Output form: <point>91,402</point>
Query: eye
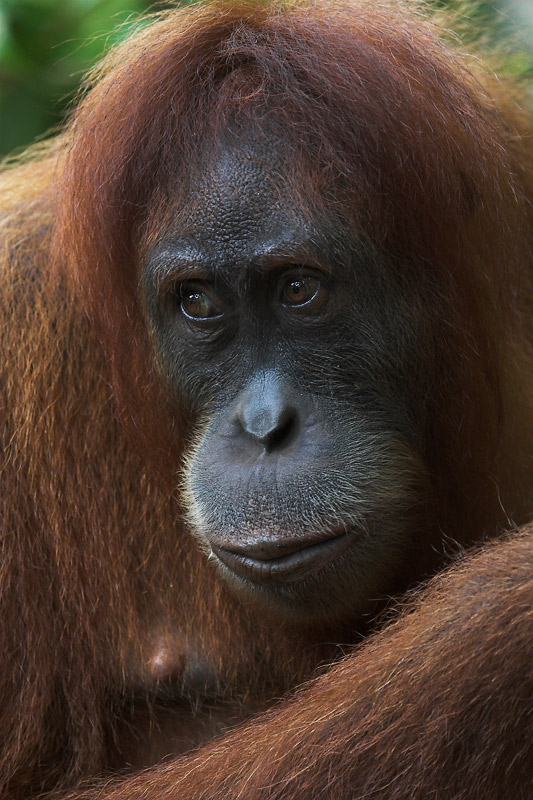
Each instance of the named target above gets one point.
<point>196,303</point>
<point>298,291</point>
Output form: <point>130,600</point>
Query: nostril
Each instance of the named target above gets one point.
<point>272,430</point>
<point>281,433</point>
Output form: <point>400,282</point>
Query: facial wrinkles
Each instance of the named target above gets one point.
<point>240,212</point>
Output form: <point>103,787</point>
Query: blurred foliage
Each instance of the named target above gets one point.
<point>47,45</point>
<point>45,48</point>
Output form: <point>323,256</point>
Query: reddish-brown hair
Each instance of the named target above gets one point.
<point>426,157</point>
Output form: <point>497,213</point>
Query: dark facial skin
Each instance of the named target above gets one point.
<point>304,482</point>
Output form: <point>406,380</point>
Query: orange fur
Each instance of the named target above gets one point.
<point>104,597</point>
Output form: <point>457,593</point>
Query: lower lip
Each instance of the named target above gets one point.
<point>286,569</point>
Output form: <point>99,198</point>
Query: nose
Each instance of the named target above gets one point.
<point>267,411</point>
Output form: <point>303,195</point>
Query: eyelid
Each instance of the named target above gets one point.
<point>175,277</point>
<point>200,285</point>
<point>300,271</point>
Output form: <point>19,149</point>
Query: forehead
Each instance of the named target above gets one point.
<point>239,209</point>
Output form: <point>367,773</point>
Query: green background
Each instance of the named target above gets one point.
<point>47,45</point>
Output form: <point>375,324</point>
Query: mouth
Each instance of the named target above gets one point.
<point>281,562</point>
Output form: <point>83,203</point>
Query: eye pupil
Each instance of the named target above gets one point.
<point>196,304</point>
<point>297,291</point>
<point>193,304</point>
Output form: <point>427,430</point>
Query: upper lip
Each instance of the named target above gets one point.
<point>282,561</point>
